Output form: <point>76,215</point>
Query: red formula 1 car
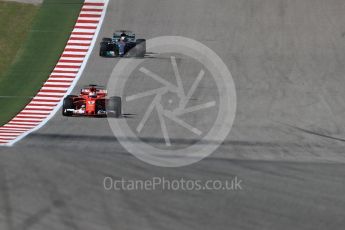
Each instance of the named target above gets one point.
<point>92,101</point>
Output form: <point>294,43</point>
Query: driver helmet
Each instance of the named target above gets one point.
<point>93,94</point>
<point>122,38</point>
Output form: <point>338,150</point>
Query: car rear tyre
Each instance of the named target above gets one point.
<point>131,50</point>
<point>103,49</point>
<point>71,96</point>
<point>114,107</point>
<point>67,104</point>
<point>100,107</point>
<point>140,47</point>
<point>107,40</point>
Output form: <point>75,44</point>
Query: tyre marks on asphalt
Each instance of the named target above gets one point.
<point>62,78</point>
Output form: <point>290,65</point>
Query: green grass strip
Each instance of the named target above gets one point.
<point>37,55</point>
<point>15,24</point>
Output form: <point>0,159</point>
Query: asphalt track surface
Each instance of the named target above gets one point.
<point>287,142</point>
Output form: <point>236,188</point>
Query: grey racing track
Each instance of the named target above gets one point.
<point>286,145</point>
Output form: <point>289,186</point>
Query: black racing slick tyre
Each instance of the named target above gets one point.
<point>100,107</point>
<point>71,96</point>
<point>67,104</point>
<point>103,49</point>
<point>140,47</point>
<point>109,40</point>
<point>131,50</point>
<point>114,107</point>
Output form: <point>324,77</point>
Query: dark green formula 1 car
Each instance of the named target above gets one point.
<point>122,44</point>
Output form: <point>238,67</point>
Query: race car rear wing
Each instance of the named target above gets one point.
<point>98,91</point>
